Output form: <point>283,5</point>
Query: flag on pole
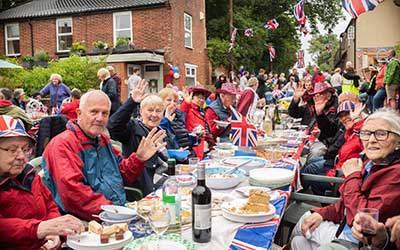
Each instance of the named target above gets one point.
<point>271,52</point>
<point>233,36</point>
<point>357,7</point>
<point>300,59</point>
<point>242,131</point>
<point>271,24</point>
<point>249,32</point>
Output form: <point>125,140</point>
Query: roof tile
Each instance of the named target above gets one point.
<point>42,8</point>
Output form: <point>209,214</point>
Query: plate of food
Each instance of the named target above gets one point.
<point>169,242</point>
<point>255,209</point>
<point>222,124</point>
<point>101,238</point>
<point>245,191</point>
<point>186,180</point>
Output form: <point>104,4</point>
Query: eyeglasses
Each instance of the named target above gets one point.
<point>380,135</point>
<point>13,151</point>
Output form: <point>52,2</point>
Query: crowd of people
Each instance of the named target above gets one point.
<point>83,169</point>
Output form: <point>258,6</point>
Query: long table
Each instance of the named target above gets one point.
<point>227,234</point>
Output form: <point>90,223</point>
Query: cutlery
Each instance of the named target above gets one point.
<point>237,166</point>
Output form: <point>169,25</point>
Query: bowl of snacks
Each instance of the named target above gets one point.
<point>223,177</point>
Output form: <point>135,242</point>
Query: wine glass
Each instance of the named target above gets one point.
<point>159,220</point>
<point>289,122</point>
<point>368,221</point>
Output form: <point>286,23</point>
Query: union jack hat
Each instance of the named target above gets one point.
<point>228,88</point>
<point>12,127</point>
<point>346,106</point>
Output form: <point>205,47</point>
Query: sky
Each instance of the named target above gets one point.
<point>340,28</point>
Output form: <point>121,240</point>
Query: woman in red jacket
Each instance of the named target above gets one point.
<point>372,184</point>
<point>193,103</point>
<point>29,218</point>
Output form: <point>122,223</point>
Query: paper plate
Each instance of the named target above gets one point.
<point>271,177</point>
<point>256,162</point>
<point>106,218</point>
<point>245,218</point>
<point>90,241</point>
<point>118,212</point>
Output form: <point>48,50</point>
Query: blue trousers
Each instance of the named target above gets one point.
<point>379,98</point>
<point>315,165</point>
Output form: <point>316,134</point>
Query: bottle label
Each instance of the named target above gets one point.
<point>168,198</point>
<point>202,216</point>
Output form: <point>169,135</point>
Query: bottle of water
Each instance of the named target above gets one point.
<point>171,198</point>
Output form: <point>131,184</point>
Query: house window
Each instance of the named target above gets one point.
<point>122,25</point>
<point>190,73</point>
<point>188,31</point>
<point>64,34</point>
<point>12,39</point>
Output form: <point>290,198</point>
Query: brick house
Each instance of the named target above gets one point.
<point>163,32</point>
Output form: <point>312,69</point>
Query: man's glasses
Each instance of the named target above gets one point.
<point>13,151</point>
<point>380,135</point>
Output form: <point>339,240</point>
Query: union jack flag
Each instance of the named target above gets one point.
<point>271,24</point>
<point>249,32</point>
<point>299,12</point>
<point>357,7</point>
<point>242,131</point>
<point>271,52</point>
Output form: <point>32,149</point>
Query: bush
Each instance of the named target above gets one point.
<point>100,45</point>
<point>79,47</point>
<point>41,56</point>
<point>77,72</point>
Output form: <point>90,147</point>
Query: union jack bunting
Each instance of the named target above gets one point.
<point>233,36</point>
<point>271,52</point>
<point>271,24</point>
<point>299,12</point>
<point>300,59</point>
<point>357,7</point>
<point>249,32</point>
<point>242,131</point>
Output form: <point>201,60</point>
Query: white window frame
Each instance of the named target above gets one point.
<point>190,31</point>
<point>63,34</point>
<point>12,39</point>
<point>190,67</point>
<point>115,15</point>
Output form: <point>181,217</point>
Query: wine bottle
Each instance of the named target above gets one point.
<point>277,119</point>
<point>201,208</point>
<point>171,197</point>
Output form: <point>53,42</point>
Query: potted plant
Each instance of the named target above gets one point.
<point>27,62</point>
<point>122,44</point>
<point>78,47</point>
<point>41,58</point>
<point>99,47</point>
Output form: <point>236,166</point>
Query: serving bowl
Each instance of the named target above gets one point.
<point>216,177</point>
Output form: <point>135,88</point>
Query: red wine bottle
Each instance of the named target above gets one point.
<point>201,208</point>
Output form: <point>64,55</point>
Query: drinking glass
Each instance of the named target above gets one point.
<point>159,220</point>
<point>368,220</point>
<point>193,161</point>
<point>289,122</point>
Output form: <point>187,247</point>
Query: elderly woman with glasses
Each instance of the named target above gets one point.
<point>29,218</point>
<point>374,183</point>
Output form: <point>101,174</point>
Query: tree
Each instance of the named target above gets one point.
<point>252,52</point>
<point>322,47</point>
<point>6,4</point>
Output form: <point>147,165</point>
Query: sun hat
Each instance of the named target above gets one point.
<point>199,88</point>
<point>345,106</point>
<point>12,127</point>
<point>228,88</point>
<point>321,87</point>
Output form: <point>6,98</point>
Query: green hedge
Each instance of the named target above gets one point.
<point>77,72</point>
